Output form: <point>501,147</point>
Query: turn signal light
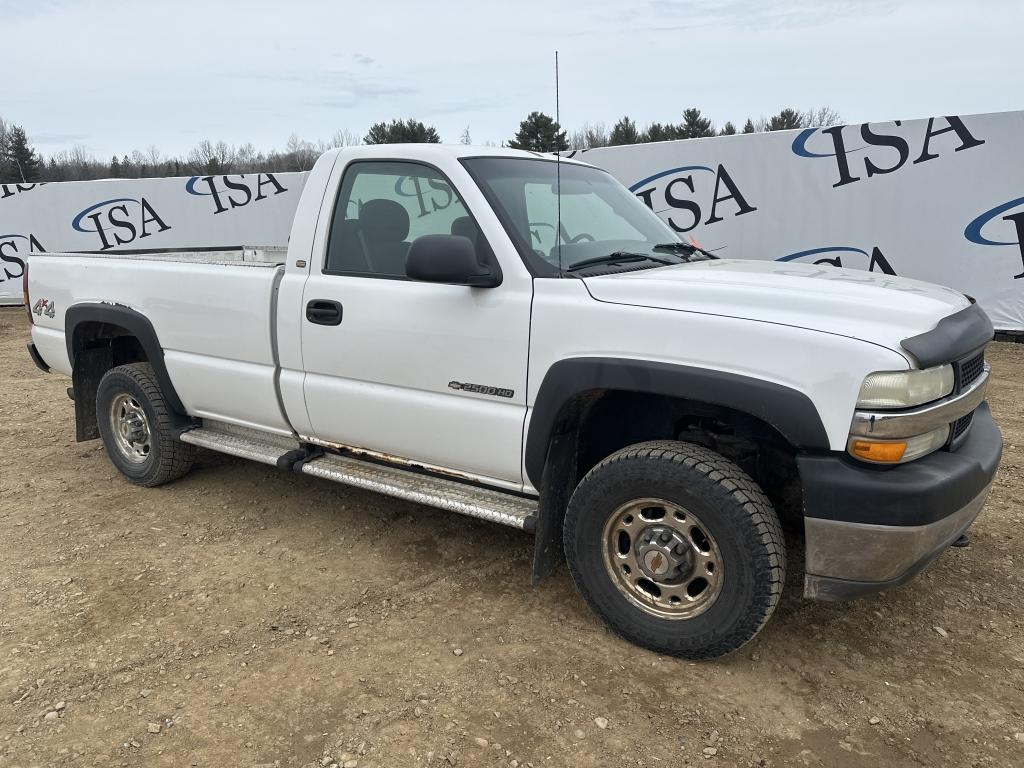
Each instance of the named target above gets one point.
<point>898,451</point>
<point>882,453</point>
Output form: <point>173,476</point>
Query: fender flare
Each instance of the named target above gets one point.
<point>787,410</point>
<point>138,325</point>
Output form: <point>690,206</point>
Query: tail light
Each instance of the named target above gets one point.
<point>24,292</point>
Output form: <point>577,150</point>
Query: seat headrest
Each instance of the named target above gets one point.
<point>384,221</point>
<point>466,227</point>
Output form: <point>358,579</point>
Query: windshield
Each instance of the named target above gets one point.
<point>599,216</point>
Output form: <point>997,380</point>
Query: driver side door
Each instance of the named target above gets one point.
<point>429,373</point>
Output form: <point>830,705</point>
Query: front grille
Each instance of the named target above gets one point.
<point>960,427</point>
<point>969,370</point>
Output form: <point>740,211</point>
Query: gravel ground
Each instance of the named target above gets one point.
<point>244,616</point>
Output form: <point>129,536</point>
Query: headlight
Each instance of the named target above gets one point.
<point>898,451</point>
<point>903,389</point>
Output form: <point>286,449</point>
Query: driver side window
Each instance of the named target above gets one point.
<point>382,207</point>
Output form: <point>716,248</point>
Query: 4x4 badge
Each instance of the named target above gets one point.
<point>44,307</point>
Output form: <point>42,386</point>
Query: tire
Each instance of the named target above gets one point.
<point>714,522</point>
<point>138,427</point>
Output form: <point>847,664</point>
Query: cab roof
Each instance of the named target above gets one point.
<point>429,152</point>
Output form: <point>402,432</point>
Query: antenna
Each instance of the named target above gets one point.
<point>558,173</point>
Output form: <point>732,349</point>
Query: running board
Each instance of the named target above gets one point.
<point>264,447</point>
<point>430,490</point>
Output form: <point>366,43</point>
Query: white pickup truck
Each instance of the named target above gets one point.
<point>504,336</point>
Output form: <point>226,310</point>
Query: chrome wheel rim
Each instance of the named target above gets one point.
<point>130,428</point>
<point>662,558</point>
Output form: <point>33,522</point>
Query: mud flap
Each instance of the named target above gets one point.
<point>90,366</point>
<point>557,484</point>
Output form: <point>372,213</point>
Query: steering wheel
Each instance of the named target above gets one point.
<point>582,237</point>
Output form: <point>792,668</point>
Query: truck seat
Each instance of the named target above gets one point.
<point>384,227</point>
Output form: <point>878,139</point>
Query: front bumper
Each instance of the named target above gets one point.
<point>869,529</point>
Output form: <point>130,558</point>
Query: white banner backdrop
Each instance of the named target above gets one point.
<point>939,199</point>
<point>137,214</point>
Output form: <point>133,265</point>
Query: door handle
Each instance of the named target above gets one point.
<point>323,312</point>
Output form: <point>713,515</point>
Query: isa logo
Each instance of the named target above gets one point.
<point>120,221</point>
<point>999,226</point>
<point>424,196</point>
<point>844,256</point>
<point>850,257</point>
<point>874,149</point>
<point>10,190</point>
<point>682,196</point>
<point>229,192</point>
<point>13,251</point>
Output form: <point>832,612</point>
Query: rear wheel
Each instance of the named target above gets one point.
<point>137,427</point>
<point>676,548</point>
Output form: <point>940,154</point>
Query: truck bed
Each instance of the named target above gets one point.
<point>212,311</point>
<point>245,255</point>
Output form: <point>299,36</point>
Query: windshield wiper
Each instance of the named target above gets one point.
<point>683,248</point>
<point>619,257</point>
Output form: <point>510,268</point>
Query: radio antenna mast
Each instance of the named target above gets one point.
<point>558,172</point>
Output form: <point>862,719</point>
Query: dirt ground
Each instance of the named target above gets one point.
<point>244,616</point>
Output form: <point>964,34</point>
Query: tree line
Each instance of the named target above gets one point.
<point>20,163</point>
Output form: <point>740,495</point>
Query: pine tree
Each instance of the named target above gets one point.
<point>18,160</point>
<point>5,162</point>
<point>748,127</point>
<point>659,132</point>
<point>624,132</point>
<point>694,125</point>
<point>402,132</point>
<point>465,137</point>
<point>115,168</point>
<point>727,130</point>
<point>539,133</point>
<point>786,120</point>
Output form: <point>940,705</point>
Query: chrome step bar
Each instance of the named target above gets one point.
<point>434,491</point>
<point>430,490</point>
<point>264,447</point>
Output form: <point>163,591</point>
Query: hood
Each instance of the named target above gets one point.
<point>873,307</point>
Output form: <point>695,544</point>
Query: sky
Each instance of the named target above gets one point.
<point>113,76</point>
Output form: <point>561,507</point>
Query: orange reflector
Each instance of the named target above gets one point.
<point>886,453</point>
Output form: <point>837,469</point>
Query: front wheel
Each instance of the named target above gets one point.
<point>676,548</point>
<point>137,426</point>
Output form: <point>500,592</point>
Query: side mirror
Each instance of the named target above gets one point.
<point>448,259</point>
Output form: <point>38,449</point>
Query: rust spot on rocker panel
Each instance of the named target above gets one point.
<point>386,458</point>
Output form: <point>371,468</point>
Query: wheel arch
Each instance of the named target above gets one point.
<point>580,397</point>
<point>100,337</point>
<point>789,412</point>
